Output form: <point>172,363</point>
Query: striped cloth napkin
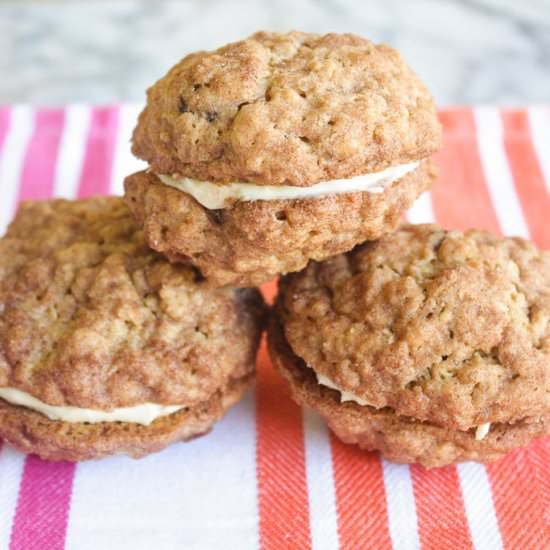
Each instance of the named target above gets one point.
<point>270,475</point>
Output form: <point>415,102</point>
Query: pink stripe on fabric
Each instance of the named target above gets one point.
<point>100,151</point>
<point>5,116</point>
<point>45,492</point>
<point>40,159</point>
<point>43,506</point>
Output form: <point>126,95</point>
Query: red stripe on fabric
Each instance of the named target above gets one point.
<point>100,150</point>
<point>269,291</point>
<point>43,506</point>
<point>520,488</point>
<point>280,460</point>
<point>37,178</point>
<point>360,498</point>
<point>539,455</point>
<point>527,174</point>
<point>460,197</point>
<point>440,511</point>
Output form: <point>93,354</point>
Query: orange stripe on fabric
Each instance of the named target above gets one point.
<point>520,488</point>
<point>539,456</point>
<point>281,468</point>
<point>440,512</point>
<point>519,506</point>
<point>360,498</point>
<point>527,174</point>
<point>460,196</point>
<point>269,291</point>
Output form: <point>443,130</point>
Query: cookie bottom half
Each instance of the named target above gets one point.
<point>31,432</point>
<point>399,439</point>
<point>251,242</point>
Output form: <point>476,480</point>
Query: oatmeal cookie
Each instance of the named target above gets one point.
<point>92,319</point>
<point>400,439</point>
<point>446,330</point>
<point>291,109</point>
<point>279,149</point>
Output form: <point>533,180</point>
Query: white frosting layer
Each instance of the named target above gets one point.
<point>481,431</point>
<point>144,413</point>
<point>344,395</point>
<point>214,196</point>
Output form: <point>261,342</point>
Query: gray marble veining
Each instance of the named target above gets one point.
<point>467,51</point>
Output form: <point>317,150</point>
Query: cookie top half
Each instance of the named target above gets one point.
<point>443,327</point>
<point>287,109</point>
<point>91,317</point>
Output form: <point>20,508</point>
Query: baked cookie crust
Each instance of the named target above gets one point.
<point>288,109</point>
<point>249,243</point>
<point>443,327</point>
<point>31,432</point>
<point>90,317</point>
<point>400,439</point>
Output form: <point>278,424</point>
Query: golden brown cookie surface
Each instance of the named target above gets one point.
<point>445,327</point>
<point>290,109</point>
<point>91,318</point>
<point>437,343</point>
<point>399,438</point>
<point>262,121</point>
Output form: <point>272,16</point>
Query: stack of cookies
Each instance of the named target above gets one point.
<point>126,326</point>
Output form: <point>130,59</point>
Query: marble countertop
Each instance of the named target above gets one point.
<point>468,51</point>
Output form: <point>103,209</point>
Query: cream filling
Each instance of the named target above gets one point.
<point>481,431</point>
<point>144,413</point>
<point>344,395</point>
<point>214,195</point>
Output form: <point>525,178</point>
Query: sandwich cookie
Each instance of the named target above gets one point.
<point>430,346</point>
<point>105,347</point>
<point>279,149</point>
